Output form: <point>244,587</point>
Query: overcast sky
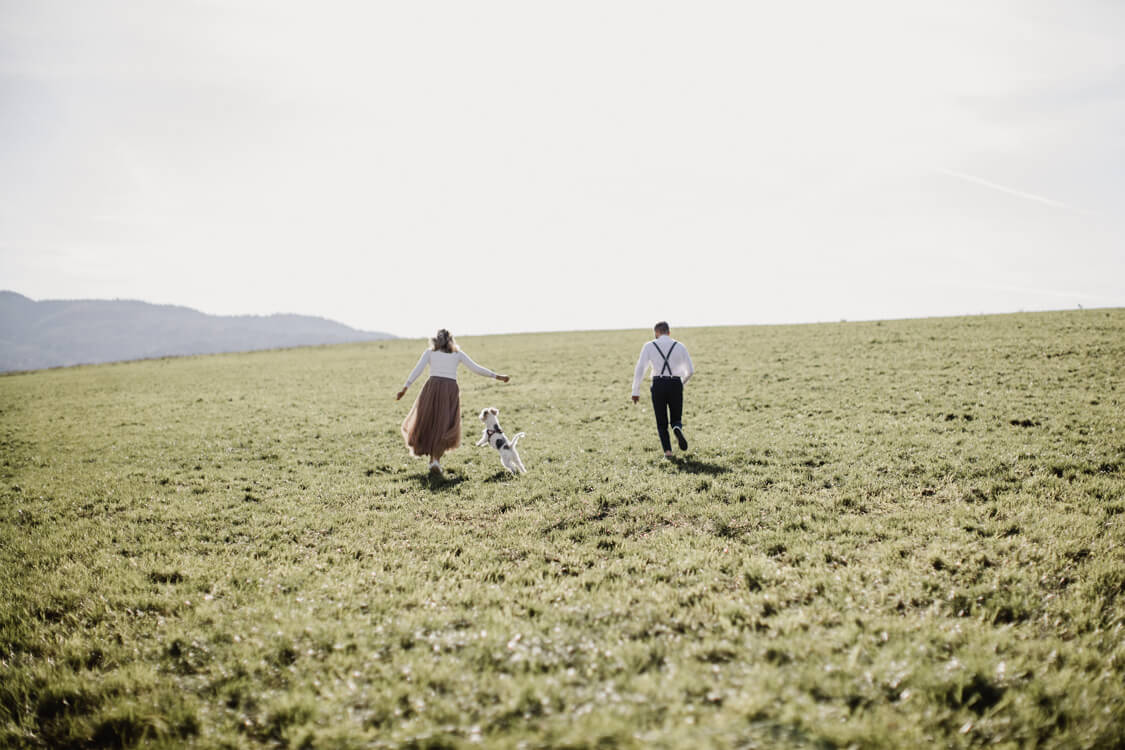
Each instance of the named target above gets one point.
<point>520,166</point>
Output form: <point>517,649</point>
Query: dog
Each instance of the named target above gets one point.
<point>495,437</point>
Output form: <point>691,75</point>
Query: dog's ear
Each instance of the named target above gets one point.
<point>495,411</point>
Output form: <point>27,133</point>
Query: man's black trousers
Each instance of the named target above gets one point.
<point>668,403</point>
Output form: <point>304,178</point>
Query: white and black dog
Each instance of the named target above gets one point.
<point>495,437</point>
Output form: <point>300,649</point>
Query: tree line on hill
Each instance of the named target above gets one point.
<point>57,333</point>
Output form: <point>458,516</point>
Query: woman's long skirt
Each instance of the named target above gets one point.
<point>433,425</point>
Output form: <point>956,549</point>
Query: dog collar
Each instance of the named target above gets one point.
<point>496,431</point>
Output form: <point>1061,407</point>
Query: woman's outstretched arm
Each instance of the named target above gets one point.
<point>422,362</point>
<point>468,362</point>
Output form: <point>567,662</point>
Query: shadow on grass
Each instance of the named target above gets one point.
<point>441,482</point>
<point>695,466</point>
<point>500,476</point>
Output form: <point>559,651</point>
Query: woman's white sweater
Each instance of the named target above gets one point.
<point>444,365</point>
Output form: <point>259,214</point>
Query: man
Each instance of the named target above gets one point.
<point>671,369</point>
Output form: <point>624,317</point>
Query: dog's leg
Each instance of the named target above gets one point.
<point>483,438</point>
<point>517,462</point>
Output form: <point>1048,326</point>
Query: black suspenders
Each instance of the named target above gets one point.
<point>667,367</point>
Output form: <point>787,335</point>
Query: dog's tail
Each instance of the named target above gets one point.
<point>516,438</point>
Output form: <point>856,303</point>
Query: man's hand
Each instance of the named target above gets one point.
<point>400,395</point>
<point>636,399</point>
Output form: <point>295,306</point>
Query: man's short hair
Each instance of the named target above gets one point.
<point>662,327</point>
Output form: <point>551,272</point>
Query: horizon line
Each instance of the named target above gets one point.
<point>608,329</point>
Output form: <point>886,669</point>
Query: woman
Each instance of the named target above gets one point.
<point>433,425</point>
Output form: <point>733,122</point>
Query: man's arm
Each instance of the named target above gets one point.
<point>690,367</point>
<point>639,373</point>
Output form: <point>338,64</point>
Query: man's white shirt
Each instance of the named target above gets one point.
<point>679,361</point>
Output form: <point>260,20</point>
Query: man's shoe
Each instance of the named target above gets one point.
<point>680,437</point>
<point>435,469</point>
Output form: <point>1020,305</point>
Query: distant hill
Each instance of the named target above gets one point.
<point>55,333</point>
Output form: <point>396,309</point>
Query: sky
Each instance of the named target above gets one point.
<point>500,167</point>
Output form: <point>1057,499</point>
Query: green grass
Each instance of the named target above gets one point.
<point>895,534</point>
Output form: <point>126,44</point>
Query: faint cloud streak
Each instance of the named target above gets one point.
<point>1009,190</point>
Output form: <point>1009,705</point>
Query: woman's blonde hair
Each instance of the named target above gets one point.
<point>443,342</point>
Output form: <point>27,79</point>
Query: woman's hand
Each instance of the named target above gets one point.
<point>400,395</point>
<point>503,378</point>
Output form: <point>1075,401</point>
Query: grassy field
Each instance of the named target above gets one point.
<point>898,534</point>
